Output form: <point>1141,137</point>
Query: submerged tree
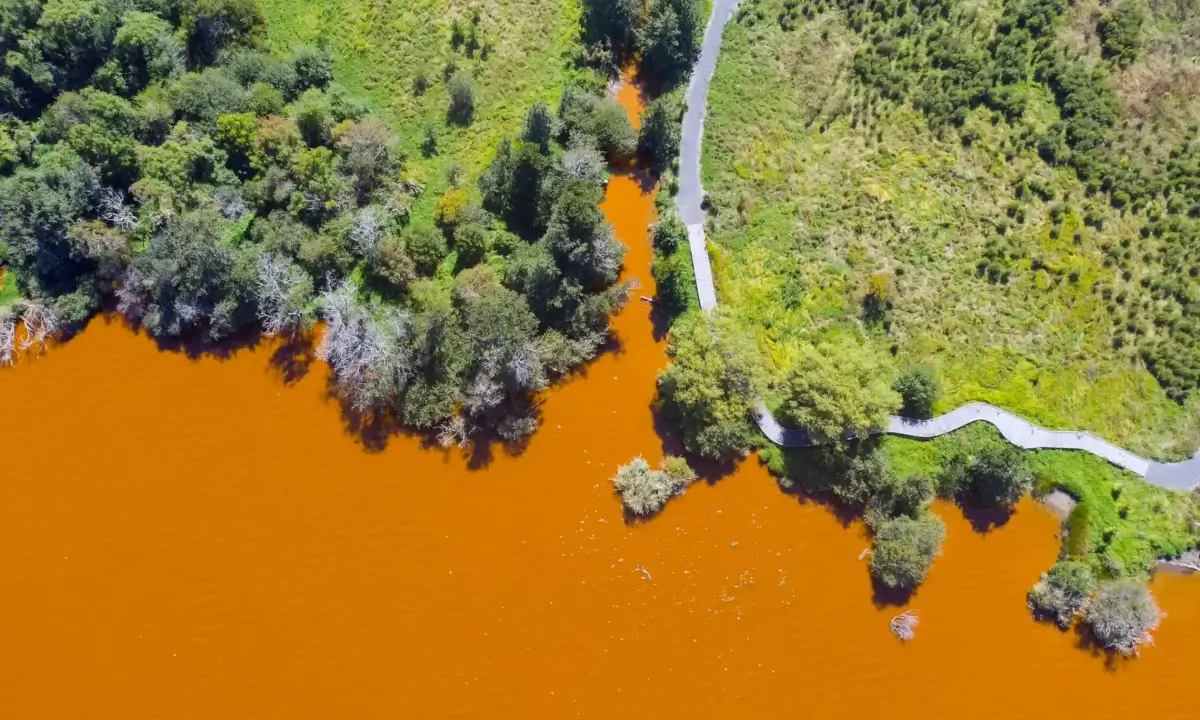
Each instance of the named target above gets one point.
<point>1122,615</point>
<point>644,490</point>
<point>904,550</point>
<point>1062,592</point>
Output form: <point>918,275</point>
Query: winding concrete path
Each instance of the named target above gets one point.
<point>1018,431</point>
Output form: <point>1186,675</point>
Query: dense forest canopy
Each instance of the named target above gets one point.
<point>163,155</point>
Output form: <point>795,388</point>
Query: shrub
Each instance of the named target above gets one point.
<point>905,549</point>
<point>919,389</point>
<point>470,242</point>
<point>1122,615</point>
<point>669,234</point>
<point>451,207</point>
<point>426,246</point>
<point>907,495</point>
<point>674,287</point>
<point>462,98</point>
<point>613,132</point>
<point>539,125</point>
<point>391,265</point>
<point>1000,475</point>
<point>1062,592</point>
<point>1121,32</point>
<point>644,491</point>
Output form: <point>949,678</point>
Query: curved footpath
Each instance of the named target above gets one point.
<point>1020,432</point>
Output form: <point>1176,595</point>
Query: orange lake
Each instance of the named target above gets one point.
<point>203,538</point>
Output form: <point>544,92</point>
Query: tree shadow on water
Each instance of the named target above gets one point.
<point>1086,640</point>
<point>984,519</point>
<point>293,357</point>
<point>883,596</point>
<point>671,442</point>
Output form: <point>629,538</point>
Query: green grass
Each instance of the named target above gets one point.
<point>379,48</point>
<point>1121,524</point>
<point>815,189</point>
<point>9,293</point>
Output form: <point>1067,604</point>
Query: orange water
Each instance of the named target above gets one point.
<point>204,539</point>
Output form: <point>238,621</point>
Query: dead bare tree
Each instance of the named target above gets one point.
<point>372,359</point>
<point>284,291</point>
<point>40,323</point>
<point>455,431</point>
<point>366,231</point>
<point>904,625</point>
<point>8,339</point>
<point>114,211</point>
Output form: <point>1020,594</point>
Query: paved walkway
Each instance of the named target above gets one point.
<point>1018,431</point>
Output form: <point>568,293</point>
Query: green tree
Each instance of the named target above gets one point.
<point>581,240</point>
<point>237,135</point>
<point>674,283</point>
<point>368,153</point>
<point>1062,592</point>
<point>839,391</point>
<point>708,388</point>
<point>995,476</point>
<point>147,49</point>
<point>1121,32</point>
<point>426,246</point>
<point>612,21</point>
<point>187,280</point>
<point>391,266</point>
<point>919,389</point>
<point>1122,615</point>
<point>221,24</point>
<point>905,549</point>
<point>314,116</point>
<point>904,495</point>
<point>613,132</point>
<point>462,98</point>
<point>203,97</point>
<point>669,234</point>
<point>470,242</point>
<point>539,125</point>
<point>658,140</point>
<point>669,42</point>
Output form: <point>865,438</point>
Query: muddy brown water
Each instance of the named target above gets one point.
<point>203,539</point>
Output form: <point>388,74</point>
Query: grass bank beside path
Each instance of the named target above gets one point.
<point>525,51</point>
<point>1121,524</point>
<point>815,189</point>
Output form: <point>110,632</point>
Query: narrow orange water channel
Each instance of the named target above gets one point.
<point>202,539</point>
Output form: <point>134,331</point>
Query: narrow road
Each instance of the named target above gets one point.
<point>1020,432</point>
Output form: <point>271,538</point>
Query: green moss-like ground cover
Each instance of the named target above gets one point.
<point>526,51</point>
<point>816,189</point>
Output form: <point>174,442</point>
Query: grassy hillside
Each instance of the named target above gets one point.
<point>521,52</point>
<point>1002,190</point>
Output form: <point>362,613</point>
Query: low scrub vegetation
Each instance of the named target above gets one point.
<point>973,189</point>
<point>645,490</point>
